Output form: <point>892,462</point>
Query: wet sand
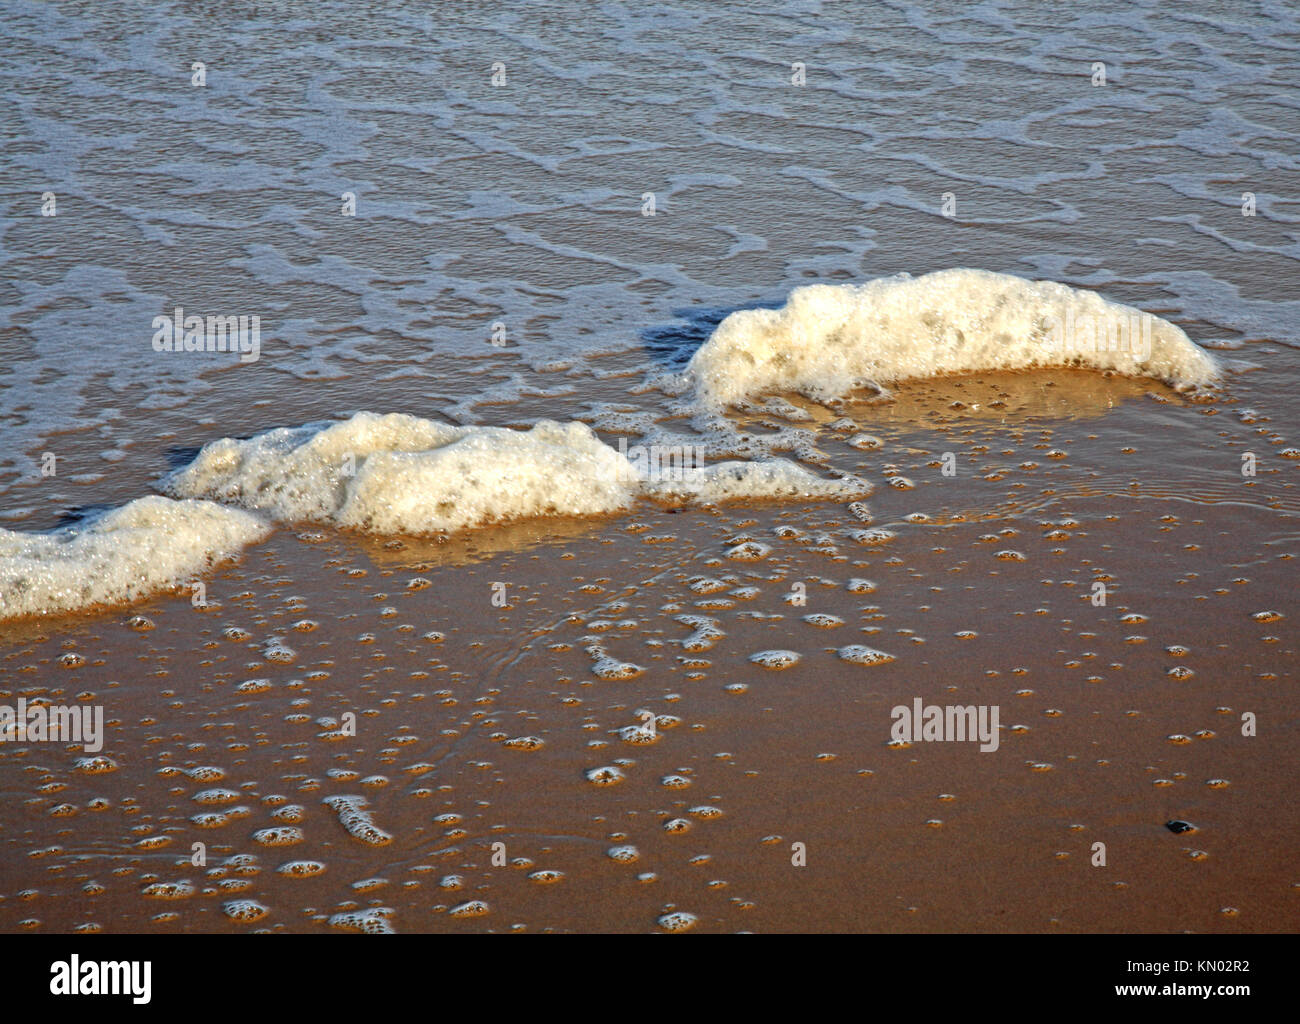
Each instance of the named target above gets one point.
<point>1116,718</point>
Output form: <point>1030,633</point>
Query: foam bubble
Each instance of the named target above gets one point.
<point>118,556</point>
<point>608,775</point>
<point>823,621</point>
<point>829,339</point>
<point>707,633</point>
<point>286,835</point>
<point>678,921</point>
<point>97,765</point>
<point>748,551</point>
<point>245,910</point>
<point>775,659</point>
<point>372,921</point>
<point>357,820</point>
<point>216,796</point>
<point>638,735</point>
<point>180,890</point>
<point>860,654</point>
<point>301,868</point>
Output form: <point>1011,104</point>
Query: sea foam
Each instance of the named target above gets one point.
<point>398,473</point>
<point>118,556</point>
<point>830,339</point>
<point>771,479</point>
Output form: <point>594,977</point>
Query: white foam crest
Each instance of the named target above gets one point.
<point>402,474</point>
<point>830,339</point>
<point>144,546</point>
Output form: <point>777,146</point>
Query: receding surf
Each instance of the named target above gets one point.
<point>402,474</point>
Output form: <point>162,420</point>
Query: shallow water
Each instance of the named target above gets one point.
<point>522,204</point>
